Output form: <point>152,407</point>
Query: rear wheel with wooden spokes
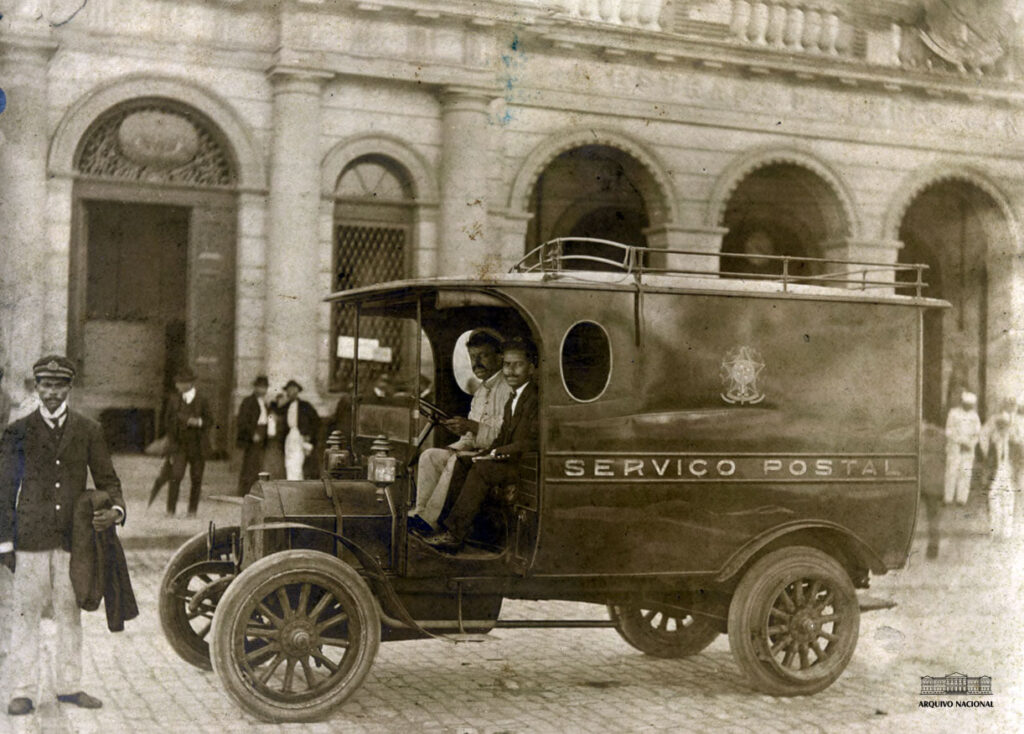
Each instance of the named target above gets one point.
<point>794,622</point>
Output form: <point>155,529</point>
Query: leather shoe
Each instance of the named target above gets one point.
<point>419,526</point>
<point>445,542</point>
<point>81,699</point>
<point>20,706</point>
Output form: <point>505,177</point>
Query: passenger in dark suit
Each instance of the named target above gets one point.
<point>188,427</point>
<point>500,466</point>
<point>253,415</point>
<point>45,460</point>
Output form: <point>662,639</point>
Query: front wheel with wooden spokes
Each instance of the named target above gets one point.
<point>794,622</point>
<point>294,636</point>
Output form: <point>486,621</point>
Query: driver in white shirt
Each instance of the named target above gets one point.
<point>477,431</point>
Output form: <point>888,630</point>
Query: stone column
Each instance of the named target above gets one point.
<point>25,51</point>
<point>512,242</point>
<point>250,295</point>
<point>292,289</point>
<point>465,158</point>
<point>425,263</point>
<point>1005,358</point>
<point>697,240</point>
<point>883,254</point>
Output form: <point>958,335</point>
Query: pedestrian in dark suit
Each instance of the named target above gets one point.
<point>500,466</point>
<point>45,459</point>
<point>253,416</point>
<point>188,428</point>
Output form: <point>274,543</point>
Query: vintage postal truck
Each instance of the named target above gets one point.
<point>720,453</point>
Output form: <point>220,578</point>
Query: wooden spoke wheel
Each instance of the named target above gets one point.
<point>794,622</point>
<point>295,635</point>
<point>193,582</point>
<point>663,633</point>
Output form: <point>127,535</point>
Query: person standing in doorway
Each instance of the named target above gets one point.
<point>188,428</point>
<point>300,424</point>
<point>253,417</point>
<point>963,431</point>
<point>45,460</point>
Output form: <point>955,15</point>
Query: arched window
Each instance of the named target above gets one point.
<point>780,209</point>
<point>593,191</point>
<point>373,217</point>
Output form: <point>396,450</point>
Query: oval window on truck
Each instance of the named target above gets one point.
<point>586,361</point>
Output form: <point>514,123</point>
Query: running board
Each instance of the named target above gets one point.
<point>551,623</point>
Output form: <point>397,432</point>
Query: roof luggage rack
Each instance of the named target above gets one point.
<point>574,254</point>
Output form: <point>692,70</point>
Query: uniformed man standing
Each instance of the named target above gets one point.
<point>45,459</point>
<point>963,431</point>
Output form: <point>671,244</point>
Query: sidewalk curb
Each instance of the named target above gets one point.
<point>151,542</point>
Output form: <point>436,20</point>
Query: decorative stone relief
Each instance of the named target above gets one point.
<point>157,140</point>
<point>150,141</point>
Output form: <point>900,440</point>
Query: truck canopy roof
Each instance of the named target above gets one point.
<point>629,268</point>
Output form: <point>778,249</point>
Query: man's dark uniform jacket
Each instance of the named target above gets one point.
<point>50,467</point>
<point>99,571</point>
<point>518,436</point>
<point>178,413</point>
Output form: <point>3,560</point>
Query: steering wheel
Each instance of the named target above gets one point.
<point>434,415</point>
<point>431,412</point>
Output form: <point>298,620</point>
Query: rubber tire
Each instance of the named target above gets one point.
<point>754,597</point>
<point>176,628</point>
<point>274,570</point>
<point>637,631</point>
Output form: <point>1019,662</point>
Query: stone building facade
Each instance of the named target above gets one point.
<point>183,181</point>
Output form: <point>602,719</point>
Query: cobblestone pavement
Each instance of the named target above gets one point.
<point>959,613</point>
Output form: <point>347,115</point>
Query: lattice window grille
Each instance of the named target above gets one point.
<point>364,255</point>
<point>101,156</point>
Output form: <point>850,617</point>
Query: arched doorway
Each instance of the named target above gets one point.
<point>592,191</point>
<point>152,286</point>
<point>957,229</point>
<point>374,213</point>
<point>780,209</point>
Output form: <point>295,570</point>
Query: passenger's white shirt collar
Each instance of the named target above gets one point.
<point>516,395</point>
<point>189,395</point>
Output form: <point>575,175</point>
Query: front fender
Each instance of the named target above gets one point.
<point>372,571</point>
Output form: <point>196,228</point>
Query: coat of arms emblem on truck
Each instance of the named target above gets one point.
<point>741,369</point>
